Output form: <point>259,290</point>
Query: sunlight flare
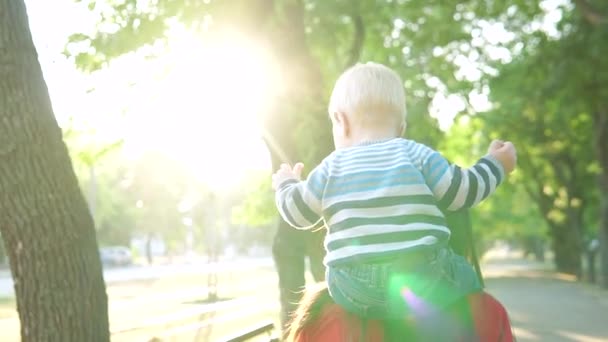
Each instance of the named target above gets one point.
<point>204,111</point>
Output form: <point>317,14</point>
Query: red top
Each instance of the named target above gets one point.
<point>335,325</point>
<point>491,319</point>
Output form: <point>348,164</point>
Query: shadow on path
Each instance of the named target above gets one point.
<point>547,306</point>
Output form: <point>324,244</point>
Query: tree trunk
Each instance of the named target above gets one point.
<point>567,249</point>
<point>603,233</point>
<point>149,256</point>
<point>2,252</point>
<point>44,219</point>
<point>565,237</point>
<point>601,147</point>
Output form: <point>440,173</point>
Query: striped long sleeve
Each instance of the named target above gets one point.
<point>384,198</point>
<point>455,187</point>
<point>299,202</point>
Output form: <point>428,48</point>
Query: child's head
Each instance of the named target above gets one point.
<point>367,103</point>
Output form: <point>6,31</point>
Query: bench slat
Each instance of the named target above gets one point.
<point>254,331</point>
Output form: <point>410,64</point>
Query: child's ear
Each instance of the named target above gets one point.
<point>341,119</point>
<point>403,127</point>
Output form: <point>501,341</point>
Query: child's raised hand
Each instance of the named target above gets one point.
<point>505,153</point>
<point>285,172</point>
<point>495,145</point>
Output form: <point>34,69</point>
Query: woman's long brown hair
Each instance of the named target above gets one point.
<point>314,300</point>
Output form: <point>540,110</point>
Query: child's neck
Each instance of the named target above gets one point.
<point>366,136</point>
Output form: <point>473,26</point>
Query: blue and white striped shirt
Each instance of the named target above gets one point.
<point>383,198</point>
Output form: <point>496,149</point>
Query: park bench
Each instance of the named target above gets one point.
<point>174,324</point>
<point>258,330</point>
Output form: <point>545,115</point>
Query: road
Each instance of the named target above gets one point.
<point>545,306</point>
<point>122,274</point>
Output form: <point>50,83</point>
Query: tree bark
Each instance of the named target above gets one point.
<point>592,15</point>
<point>567,249</point>
<point>149,256</point>
<point>603,237</point>
<point>44,220</point>
<point>358,38</point>
<point>2,252</point>
<point>565,238</point>
<point>601,147</point>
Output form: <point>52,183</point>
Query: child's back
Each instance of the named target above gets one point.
<point>380,197</point>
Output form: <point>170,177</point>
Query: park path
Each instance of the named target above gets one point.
<point>543,305</point>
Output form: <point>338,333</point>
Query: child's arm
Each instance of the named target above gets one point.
<point>299,202</point>
<point>457,188</point>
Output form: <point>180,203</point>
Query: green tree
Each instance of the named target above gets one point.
<point>555,148</point>
<point>590,37</point>
<point>511,214</point>
<point>556,86</point>
<point>103,173</point>
<point>116,211</point>
<point>157,186</point>
<point>45,223</point>
<point>439,48</point>
<point>257,207</point>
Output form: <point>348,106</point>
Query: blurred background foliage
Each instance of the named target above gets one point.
<point>531,72</point>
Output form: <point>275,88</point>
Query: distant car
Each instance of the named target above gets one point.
<point>116,256</point>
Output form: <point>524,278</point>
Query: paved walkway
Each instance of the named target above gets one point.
<point>544,306</point>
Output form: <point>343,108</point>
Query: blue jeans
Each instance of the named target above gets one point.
<point>397,289</point>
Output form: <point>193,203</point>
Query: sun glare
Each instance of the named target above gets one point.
<point>204,111</point>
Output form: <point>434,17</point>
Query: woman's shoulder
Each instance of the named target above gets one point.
<point>335,324</point>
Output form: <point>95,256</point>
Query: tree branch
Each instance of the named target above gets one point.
<point>590,13</point>
<point>358,39</point>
